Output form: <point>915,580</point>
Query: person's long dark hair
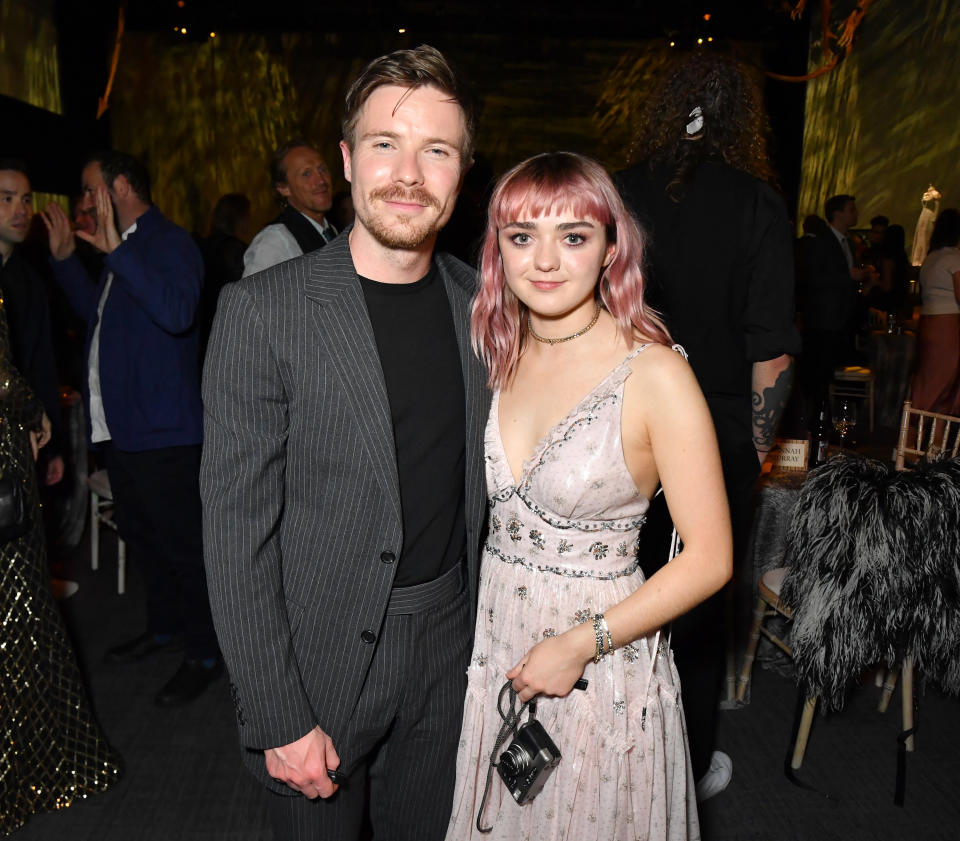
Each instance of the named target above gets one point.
<point>735,124</point>
<point>946,230</point>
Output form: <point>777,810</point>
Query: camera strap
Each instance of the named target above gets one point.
<point>511,720</point>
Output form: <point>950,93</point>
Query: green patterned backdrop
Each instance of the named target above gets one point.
<point>206,116</point>
<point>883,124</point>
<point>29,70</point>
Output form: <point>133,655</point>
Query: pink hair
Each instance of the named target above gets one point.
<point>536,187</point>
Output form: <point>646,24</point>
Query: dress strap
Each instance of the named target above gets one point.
<point>638,350</point>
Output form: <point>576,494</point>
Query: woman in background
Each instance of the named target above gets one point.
<point>53,752</point>
<point>936,383</point>
<point>592,411</point>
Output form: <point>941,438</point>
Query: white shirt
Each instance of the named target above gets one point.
<point>98,418</point>
<point>936,282</point>
<point>275,244</point>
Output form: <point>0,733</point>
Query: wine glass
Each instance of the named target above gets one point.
<point>845,422</point>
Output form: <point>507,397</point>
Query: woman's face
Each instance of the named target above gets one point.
<point>552,263</point>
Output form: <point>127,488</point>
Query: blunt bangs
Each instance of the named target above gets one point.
<point>527,196</point>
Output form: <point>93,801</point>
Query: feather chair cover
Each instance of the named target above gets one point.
<point>873,557</point>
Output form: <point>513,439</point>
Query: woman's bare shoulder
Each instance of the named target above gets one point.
<point>658,360</point>
<point>661,372</point>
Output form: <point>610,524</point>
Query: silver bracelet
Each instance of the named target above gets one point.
<point>602,634</point>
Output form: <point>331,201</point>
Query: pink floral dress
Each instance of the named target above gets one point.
<point>562,547</point>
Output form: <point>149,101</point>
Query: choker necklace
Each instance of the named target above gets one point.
<point>596,317</point>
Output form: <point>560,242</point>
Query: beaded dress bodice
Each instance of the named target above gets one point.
<point>575,510</point>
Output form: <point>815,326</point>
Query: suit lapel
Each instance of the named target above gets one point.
<point>344,331</point>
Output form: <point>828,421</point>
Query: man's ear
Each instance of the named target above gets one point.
<point>121,187</point>
<point>345,151</point>
<point>282,188</point>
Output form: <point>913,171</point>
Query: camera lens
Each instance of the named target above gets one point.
<point>514,759</point>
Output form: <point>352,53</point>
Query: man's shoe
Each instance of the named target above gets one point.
<point>188,683</point>
<point>142,647</point>
<point>717,778</point>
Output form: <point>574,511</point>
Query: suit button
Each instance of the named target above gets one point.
<point>369,637</point>
<point>387,557</point>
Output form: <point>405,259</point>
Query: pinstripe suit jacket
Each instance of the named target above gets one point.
<point>300,490</point>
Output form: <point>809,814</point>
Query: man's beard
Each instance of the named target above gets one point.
<point>404,233</point>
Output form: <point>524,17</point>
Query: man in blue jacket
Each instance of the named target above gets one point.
<point>143,396</point>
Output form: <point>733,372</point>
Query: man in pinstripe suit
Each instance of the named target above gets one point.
<point>343,483</point>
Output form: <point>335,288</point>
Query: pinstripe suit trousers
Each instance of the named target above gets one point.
<point>406,725</point>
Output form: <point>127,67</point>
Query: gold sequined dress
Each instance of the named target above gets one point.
<point>53,752</point>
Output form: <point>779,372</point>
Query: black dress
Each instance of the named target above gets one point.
<point>53,752</point>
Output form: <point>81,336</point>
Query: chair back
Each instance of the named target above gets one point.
<point>925,433</point>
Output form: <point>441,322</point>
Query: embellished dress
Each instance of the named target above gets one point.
<point>52,752</point>
<point>562,547</point>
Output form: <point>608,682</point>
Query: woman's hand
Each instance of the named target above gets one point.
<point>553,666</point>
<point>40,437</point>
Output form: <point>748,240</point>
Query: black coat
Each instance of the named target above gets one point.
<point>28,316</point>
<point>829,293</point>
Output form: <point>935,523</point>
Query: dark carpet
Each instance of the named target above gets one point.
<point>184,779</point>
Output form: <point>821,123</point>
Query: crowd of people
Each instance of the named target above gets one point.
<point>408,491</point>
<point>848,284</point>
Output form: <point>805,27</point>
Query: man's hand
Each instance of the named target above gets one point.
<point>40,437</point>
<point>54,470</point>
<point>303,764</point>
<point>105,238</point>
<point>62,242</point>
<point>45,430</point>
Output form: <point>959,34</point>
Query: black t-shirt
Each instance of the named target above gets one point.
<point>720,269</point>
<point>417,343</point>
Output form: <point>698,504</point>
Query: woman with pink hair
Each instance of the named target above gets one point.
<point>592,411</point>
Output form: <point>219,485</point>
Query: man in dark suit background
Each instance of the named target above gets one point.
<point>143,397</point>
<point>829,282</point>
<point>343,482</point>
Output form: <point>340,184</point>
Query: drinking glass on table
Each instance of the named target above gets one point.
<point>845,422</point>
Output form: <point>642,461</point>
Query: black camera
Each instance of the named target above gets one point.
<point>529,760</point>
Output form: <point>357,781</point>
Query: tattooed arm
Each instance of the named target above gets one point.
<point>771,389</point>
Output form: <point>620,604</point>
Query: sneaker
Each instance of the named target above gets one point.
<point>717,777</point>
